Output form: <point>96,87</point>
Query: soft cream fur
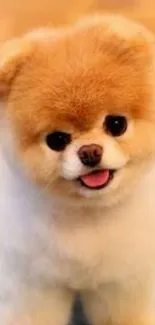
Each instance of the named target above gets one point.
<point>56,237</point>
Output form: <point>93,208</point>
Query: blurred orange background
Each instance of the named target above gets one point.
<point>18,16</point>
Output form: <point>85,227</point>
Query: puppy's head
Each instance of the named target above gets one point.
<point>81,106</point>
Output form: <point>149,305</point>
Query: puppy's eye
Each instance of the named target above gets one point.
<point>115,125</point>
<point>58,141</point>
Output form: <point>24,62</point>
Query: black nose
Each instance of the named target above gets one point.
<point>90,155</point>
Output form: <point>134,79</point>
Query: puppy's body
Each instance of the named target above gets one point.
<point>96,248</point>
<point>56,236</point>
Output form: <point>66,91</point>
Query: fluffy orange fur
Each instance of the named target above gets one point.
<point>49,76</point>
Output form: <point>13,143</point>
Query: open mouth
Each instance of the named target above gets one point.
<point>97,179</point>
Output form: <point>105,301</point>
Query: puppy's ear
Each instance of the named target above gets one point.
<point>13,54</point>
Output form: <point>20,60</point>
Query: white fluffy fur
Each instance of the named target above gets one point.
<point>50,248</point>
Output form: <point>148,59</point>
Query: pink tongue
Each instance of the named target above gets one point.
<point>96,179</point>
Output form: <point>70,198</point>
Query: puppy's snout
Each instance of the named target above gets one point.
<point>90,155</point>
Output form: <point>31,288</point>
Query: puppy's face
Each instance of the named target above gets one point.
<point>82,109</point>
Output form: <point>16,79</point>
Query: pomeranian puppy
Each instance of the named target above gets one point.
<point>77,170</point>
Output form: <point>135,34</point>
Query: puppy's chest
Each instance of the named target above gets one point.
<point>73,260</point>
<point>89,255</point>
<point>81,255</point>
